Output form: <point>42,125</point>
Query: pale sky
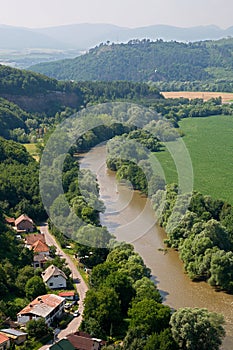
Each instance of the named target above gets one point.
<point>128,13</point>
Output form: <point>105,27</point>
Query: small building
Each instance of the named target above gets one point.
<point>69,295</point>
<point>83,341</point>
<point>54,277</point>
<point>40,248</point>
<point>49,307</point>
<point>32,238</point>
<point>17,337</point>
<point>4,342</point>
<point>24,224</point>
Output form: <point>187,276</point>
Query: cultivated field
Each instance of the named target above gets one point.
<point>210,143</point>
<point>226,96</point>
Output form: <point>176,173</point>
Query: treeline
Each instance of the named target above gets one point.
<point>179,108</point>
<point>203,236</point>
<point>145,60</point>
<point>223,85</point>
<point>21,82</point>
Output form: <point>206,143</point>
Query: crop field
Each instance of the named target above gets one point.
<point>209,141</point>
<point>206,95</point>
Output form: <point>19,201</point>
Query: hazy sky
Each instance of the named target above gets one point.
<point>131,13</point>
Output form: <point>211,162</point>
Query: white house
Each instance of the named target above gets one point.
<point>54,277</point>
<point>49,307</point>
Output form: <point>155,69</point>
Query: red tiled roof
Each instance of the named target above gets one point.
<point>51,300</point>
<point>34,237</point>
<point>66,294</point>
<point>10,220</point>
<point>3,338</point>
<point>23,217</point>
<point>40,247</point>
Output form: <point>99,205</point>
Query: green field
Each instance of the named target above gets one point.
<point>209,141</point>
<point>32,149</point>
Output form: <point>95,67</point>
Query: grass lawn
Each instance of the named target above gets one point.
<point>32,149</point>
<point>209,141</point>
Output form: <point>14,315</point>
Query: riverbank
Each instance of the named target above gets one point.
<point>130,217</point>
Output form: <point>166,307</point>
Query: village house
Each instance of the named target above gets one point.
<point>4,342</point>
<point>16,337</point>
<point>40,248</point>
<point>24,224</point>
<point>32,238</point>
<point>40,260</point>
<point>83,341</point>
<point>54,277</point>
<point>78,341</point>
<point>49,307</point>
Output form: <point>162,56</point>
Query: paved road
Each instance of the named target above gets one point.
<point>77,279</point>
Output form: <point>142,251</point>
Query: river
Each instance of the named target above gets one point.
<point>130,217</point>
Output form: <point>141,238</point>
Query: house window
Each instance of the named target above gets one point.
<point>50,284</point>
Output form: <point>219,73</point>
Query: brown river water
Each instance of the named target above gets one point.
<point>130,217</point>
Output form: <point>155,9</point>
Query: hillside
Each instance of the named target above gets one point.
<point>31,102</point>
<point>147,61</point>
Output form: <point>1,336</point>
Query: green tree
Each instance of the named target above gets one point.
<point>103,305</point>
<point>38,328</point>
<point>150,315</point>
<point>35,287</point>
<point>197,329</point>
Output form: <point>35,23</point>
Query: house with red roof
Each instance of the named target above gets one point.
<point>49,307</point>
<point>32,238</point>
<point>40,247</point>
<point>4,342</point>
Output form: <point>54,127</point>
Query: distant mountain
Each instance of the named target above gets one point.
<point>18,38</point>
<point>84,36</point>
<point>148,61</point>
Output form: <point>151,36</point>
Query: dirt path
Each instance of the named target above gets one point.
<point>78,282</point>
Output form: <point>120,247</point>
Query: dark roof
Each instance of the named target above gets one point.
<point>63,344</point>
<point>83,341</point>
<point>22,218</point>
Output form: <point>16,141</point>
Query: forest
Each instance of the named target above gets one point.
<point>148,61</point>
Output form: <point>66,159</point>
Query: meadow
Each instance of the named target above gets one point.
<point>209,141</point>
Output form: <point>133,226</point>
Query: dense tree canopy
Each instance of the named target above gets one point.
<point>197,329</point>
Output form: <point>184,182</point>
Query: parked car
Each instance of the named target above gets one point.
<point>76,313</point>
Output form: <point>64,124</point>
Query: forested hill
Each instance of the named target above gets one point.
<point>30,102</point>
<point>147,61</point>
